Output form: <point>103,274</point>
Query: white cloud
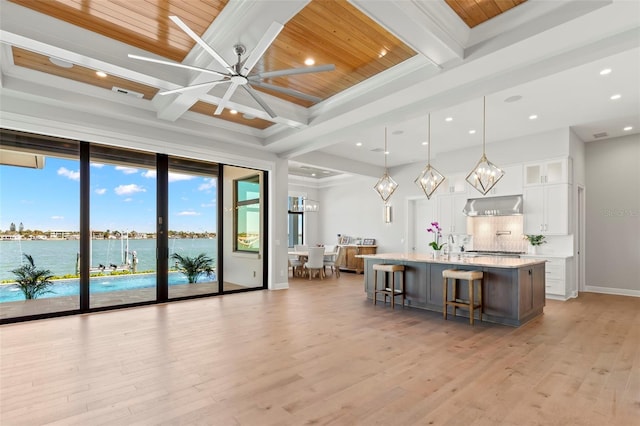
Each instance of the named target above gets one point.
<point>126,200</point>
<point>101,191</point>
<point>209,183</point>
<point>73,175</point>
<point>132,188</point>
<point>188,213</point>
<point>97,165</point>
<point>127,170</point>
<point>57,217</point>
<point>175,177</point>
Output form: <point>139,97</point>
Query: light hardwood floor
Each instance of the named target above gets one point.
<point>321,353</point>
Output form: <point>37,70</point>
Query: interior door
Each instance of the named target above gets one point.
<point>422,211</point>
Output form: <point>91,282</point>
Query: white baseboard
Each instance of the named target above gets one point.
<point>280,286</point>
<point>616,291</point>
<point>556,297</point>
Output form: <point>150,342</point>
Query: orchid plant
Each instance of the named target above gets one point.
<point>437,235</point>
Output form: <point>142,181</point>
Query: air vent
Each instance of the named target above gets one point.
<point>127,92</point>
<point>600,135</point>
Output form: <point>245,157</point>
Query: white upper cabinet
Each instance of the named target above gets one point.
<point>547,172</point>
<point>510,184</point>
<point>450,216</point>
<point>454,184</point>
<point>546,209</point>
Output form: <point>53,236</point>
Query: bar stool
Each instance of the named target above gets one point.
<point>471,277</point>
<point>388,287</point>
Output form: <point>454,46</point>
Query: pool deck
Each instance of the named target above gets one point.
<point>99,300</point>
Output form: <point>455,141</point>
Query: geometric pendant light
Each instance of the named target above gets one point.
<point>385,185</point>
<point>430,179</point>
<point>485,174</point>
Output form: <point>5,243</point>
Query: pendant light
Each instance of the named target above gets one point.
<point>485,174</point>
<point>386,185</point>
<point>430,179</point>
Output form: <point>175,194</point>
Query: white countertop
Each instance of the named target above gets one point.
<point>489,261</point>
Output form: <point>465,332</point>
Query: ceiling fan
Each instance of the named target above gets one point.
<point>238,74</point>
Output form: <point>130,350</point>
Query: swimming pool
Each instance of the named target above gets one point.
<point>71,287</point>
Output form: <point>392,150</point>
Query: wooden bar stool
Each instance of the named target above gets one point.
<point>389,288</point>
<point>471,277</point>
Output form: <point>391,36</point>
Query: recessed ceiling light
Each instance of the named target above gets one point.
<point>309,61</point>
<point>382,53</point>
<point>425,143</point>
<point>533,117</point>
<point>313,174</point>
<point>514,98</point>
<point>471,132</point>
<point>626,129</point>
<point>397,132</point>
<point>61,63</point>
<point>605,71</point>
<point>233,111</point>
<point>386,153</point>
<point>101,74</point>
<point>248,116</point>
<point>359,144</point>
<point>615,97</point>
<point>448,119</point>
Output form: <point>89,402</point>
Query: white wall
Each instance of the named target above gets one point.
<point>613,215</point>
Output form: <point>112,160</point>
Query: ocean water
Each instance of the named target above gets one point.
<point>60,255</point>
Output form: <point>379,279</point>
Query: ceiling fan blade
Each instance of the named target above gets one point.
<point>264,43</point>
<point>259,100</point>
<point>177,64</point>
<point>287,91</point>
<point>201,42</point>
<point>292,71</point>
<point>225,98</point>
<point>193,87</point>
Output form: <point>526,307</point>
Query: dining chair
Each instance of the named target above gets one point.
<point>315,262</point>
<point>334,260</point>
<point>297,266</point>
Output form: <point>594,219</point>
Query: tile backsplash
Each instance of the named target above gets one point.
<point>497,233</point>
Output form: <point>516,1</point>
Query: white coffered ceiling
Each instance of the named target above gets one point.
<point>549,53</point>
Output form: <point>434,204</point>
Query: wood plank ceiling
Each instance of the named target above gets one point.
<point>475,12</point>
<point>335,32</point>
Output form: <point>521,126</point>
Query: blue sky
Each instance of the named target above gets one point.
<point>122,198</point>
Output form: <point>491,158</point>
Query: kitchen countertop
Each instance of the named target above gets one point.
<point>488,261</point>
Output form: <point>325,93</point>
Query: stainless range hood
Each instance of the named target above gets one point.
<point>494,206</point>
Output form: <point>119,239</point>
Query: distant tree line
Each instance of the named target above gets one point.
<point>109,233</point>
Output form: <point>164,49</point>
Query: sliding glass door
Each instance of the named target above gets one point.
<point>88,227</point>
<point>39,225</point>
<point>193,228</point>
<point>123,211</point>
<point>244,237</point>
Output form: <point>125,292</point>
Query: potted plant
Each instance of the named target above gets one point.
<point>437,235</point>
<point>32,281</point>
<point>193,267</point>
<point>534,241</point>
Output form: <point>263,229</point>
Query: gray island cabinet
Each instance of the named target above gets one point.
<point>513,289</point>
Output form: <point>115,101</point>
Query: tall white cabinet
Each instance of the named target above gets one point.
<point>546,193</point>
<point>452,196</point>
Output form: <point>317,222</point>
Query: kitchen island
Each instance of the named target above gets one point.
<point>513,288</point>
